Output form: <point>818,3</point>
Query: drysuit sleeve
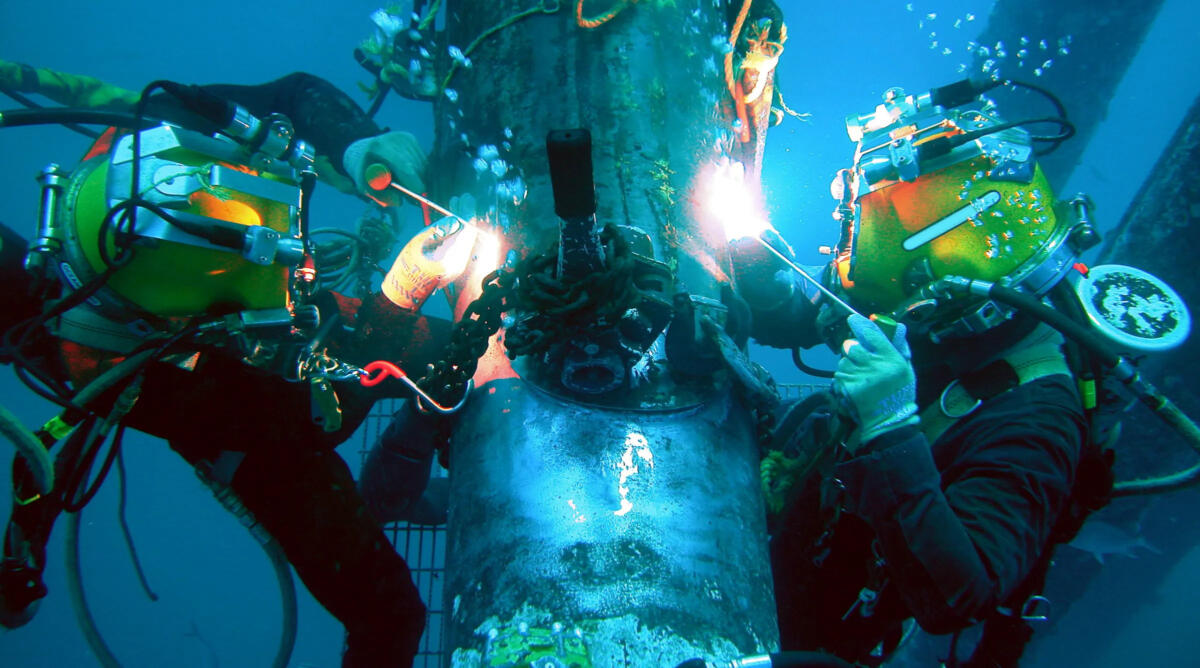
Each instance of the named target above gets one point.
<point>958,542</point>
<point>783,305</point>
<point>320,112</point>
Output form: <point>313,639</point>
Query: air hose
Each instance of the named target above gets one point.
<point>63,115</point>
<point>1121,369</point>
<point>35,454</point>
<point>283,574</point>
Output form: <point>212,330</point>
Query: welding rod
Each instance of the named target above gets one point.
<point>378,173</point>
<point>809,277</point>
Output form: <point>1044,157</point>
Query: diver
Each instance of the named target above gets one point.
<point>955,448</point>
<point>226,403</point>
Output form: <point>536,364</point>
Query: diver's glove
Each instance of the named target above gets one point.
<point>430,260</point>
<point>398,152</point>
<point>876,379</point>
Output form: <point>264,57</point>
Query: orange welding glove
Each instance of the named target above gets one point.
<point>430,260</point>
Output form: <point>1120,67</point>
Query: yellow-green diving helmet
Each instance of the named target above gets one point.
<point>940,192</point>
<point>228,241</point>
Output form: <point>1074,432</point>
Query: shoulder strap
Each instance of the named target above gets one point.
<point>964,394</point>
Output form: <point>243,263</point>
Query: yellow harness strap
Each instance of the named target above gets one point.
<point>1040,358</point>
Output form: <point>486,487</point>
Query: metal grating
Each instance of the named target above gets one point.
<point>424,547</point>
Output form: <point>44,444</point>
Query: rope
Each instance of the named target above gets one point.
<point>730,83</point>
<point>762,57</point>
<point>600,19</point>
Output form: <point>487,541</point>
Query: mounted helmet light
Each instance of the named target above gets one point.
<point>942,186</point>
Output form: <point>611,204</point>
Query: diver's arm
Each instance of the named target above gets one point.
<point>958,542</point>
<point>783,305</point>
<point>320,112</point>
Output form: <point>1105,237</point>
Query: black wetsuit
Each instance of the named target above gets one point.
<point>290,478</point>
<point>943,532</point>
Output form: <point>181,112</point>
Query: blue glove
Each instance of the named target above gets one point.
<point>876,379</point>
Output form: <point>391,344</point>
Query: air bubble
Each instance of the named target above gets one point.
<point>452,95</point>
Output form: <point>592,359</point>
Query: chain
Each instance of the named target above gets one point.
<point>446,380</point>
<point>554,312</point>
<point>557,311</point>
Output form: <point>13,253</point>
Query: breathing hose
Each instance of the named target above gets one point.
<point>35,454</point>
<point>87,622</point>
<point>65,115</point>
<point>1121,368</point>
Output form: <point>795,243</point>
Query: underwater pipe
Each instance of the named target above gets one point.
<point>1121,368</point>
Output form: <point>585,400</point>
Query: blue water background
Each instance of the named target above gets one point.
<point>206,569</point>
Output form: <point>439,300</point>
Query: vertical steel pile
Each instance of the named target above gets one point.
<point>605,501</point>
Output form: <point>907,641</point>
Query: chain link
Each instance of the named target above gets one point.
<point>553,311</point>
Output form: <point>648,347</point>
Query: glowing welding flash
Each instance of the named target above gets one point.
<point>456,252</point>
<point>729,200</point>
